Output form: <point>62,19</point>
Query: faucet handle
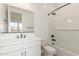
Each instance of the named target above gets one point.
<point>17,36</point>
<point>53,39</point>
<point>24,36</point>
<point>52,36</point>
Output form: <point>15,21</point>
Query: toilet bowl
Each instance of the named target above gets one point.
<point>50,51</point>
<point>47,49</point>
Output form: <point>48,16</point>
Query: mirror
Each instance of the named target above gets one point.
<point>18,20</point>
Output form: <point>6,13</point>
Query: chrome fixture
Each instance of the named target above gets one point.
<point>53,12</point>
<point>21,36</point>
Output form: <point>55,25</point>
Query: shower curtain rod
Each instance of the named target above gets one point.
<point>58,8</point>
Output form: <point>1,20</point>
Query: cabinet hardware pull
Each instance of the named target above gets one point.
<point>25,53</point>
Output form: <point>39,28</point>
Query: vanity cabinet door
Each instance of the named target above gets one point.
<point>15,53</point>
<point>33,51</point>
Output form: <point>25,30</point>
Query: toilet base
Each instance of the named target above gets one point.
<point>50,54</point>
<point>43,52</point>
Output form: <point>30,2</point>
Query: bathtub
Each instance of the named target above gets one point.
<point>63,52</point>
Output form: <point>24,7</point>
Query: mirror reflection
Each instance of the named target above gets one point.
<point>18,20</point>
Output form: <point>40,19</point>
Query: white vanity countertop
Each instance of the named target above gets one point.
<point>10,39</point>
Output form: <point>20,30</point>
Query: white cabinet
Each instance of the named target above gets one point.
<point>34,48</point>
<point>31,48</point>
<point>15,53</point>
<point>33,51</point>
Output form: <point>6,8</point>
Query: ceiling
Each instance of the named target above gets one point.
<point>46,7</point>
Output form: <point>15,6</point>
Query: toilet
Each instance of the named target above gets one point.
<point>48,50</point>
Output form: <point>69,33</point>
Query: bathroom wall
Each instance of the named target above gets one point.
<point>2,18</point>
<point>51,28</point>
<point>67,30</point>
<point>45,25</point>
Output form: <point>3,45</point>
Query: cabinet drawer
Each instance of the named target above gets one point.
<point>10,48</point>
<point>14,53</point>
<point>31,44</point>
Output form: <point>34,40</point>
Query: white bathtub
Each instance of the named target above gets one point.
<point>63,52</point>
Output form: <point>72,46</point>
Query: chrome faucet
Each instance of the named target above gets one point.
<point>21,36</point>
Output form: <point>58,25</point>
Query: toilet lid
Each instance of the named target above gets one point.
<point>49,48</point>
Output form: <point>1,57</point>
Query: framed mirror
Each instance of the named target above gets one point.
<point>18,20</point>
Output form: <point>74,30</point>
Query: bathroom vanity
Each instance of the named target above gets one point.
<point>17,36</point>
<point>11,45</point>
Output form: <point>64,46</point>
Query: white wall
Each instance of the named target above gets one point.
<point>67,28</point>
<point>51,28</point>
<point>44,24</point>
<point>2,18</point>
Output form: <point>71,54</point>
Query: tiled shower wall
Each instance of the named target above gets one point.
<point>67,28</point>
